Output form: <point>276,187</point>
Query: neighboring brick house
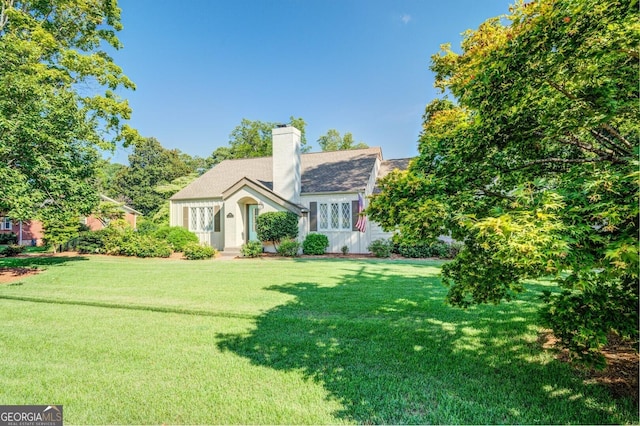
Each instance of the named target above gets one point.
<point>28,232</point>
<point>326,190</point>
<point>31,232</point>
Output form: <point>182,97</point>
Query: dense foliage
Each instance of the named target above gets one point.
<point>333,141</point>
<point>251,249</point>
<point>381,247</point>
<point>177,236</point>
<point>60,227</point>
<point>58,103</point>
<point>252,138</point>
<point>12,250</point>
<point>289,248</point>
<point>150,165</point>
<point>197,251</point>
<point>120,239</point>
<point>534,165</point>
<point>276,226</point>
<point>315,244</point>
<point>8,238</point>
<point>437,248</point>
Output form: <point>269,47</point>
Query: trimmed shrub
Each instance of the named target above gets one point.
<point>90,242</point>
<point>146,227</point>
<point>12,250</point>
<point>9,238</point>
<point>121,240</point>
<point>195,251</point>
<point>344,250</point>
<point>176,236</point>
<point>144,246</point>
<point>289,248</point>
<point>435,249</point>
<point>276,226</point>
<point>315,244</point>
<point>380,248</point>
<point>251,249</point>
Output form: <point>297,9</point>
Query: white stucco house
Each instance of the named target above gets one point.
<point>323,189</point>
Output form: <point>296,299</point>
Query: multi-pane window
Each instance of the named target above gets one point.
<point>193,223</point>
<point>210,218</point>
<point>5,223</point>
<point>202,223</point>
<point>323,216</point>
<point>334,216</point>
<point>346,216</point>
<point>201,219</point>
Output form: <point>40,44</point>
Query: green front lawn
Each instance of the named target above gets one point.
<point>278,341</point>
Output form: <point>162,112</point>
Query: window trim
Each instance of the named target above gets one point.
<point>334,213</point>
<point>6,224</point>
<point>203,218</point>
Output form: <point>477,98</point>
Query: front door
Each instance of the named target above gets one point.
<point>252,222</point>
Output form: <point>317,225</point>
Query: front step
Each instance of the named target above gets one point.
<point>230,253</point>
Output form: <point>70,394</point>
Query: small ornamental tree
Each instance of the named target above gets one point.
<point>276,226</point>
<point>60,227</point>
<point>532,161</point>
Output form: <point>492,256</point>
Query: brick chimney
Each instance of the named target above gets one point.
<point>287,181</point>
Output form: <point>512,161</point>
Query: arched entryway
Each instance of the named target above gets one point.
<point>250,208</point>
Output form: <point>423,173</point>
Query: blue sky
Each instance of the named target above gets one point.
<point>358,66</point>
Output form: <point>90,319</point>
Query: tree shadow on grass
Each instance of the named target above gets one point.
<point>38,261</point>
<point>389,350</point>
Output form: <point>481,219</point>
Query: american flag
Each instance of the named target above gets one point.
<point>361,224</point>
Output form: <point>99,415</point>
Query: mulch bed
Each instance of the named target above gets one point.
<point>8,275</point>
<point>621,373</point>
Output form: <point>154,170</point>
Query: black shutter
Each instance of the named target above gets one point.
<point>216,220</point>
<point>313,216</point>
<point>354,215</point>
<point>185,217</point>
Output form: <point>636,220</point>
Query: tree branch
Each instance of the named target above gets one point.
<point>605,126</point>
<point>617,134</point>
<point>555,160</point>
<point>607,152</point>
<point>563,90</point>
<point>630,52</point>
<point>604,140</point>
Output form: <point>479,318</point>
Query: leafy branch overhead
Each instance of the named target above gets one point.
<point>531,159</point>
<point>58,102</point>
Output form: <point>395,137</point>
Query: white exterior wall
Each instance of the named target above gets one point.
<point>377,232</point>
<point>356,241</point>
<point>236,226</point>
<point>210,238</point>
<point>287,178</point>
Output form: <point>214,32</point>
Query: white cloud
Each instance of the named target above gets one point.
<point>405,18</point>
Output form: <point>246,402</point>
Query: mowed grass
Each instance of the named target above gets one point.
<point>142,341</point>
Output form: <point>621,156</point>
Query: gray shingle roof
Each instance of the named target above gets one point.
<point>387,166</point>
<point>335,171</point>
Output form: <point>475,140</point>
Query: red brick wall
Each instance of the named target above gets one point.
<point>31,230</point>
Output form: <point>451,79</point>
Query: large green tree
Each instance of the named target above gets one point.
<point>253,139</point>
<point>58,102</point>
<point>150,165</point>
<point>333,141</point>
<point>534,165</point>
